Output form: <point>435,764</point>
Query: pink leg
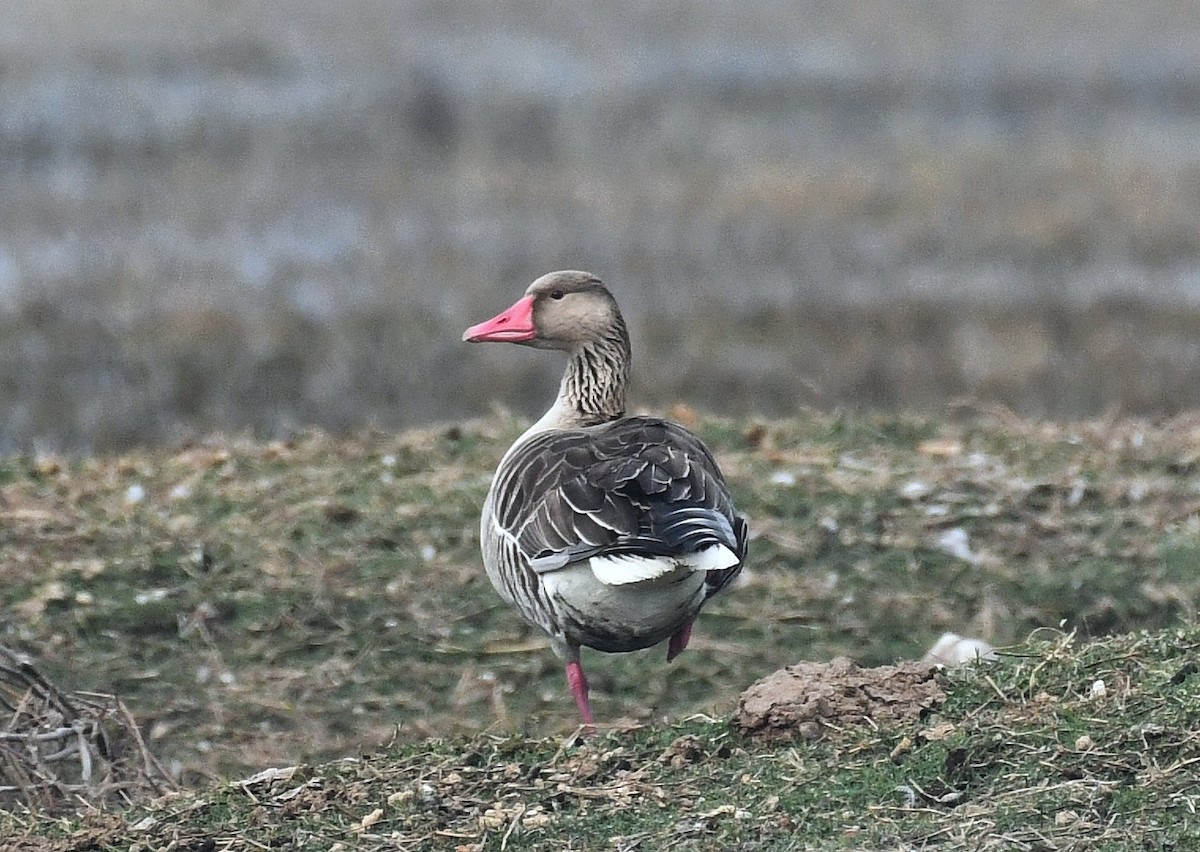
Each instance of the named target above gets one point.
<point>679,641</point>
<point>577,681</point>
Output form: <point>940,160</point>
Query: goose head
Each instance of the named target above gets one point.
<point>567,310</point>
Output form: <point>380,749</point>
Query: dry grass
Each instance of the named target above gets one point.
<point>288,604</point>
<point>59,752</point>
<point>1057,746</point>
<point>262,604</point>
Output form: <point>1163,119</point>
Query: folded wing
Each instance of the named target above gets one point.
<point>638,498</point>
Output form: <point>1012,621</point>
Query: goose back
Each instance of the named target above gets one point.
<point>629,493</point>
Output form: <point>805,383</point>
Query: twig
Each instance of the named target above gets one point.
<point>46,726</point>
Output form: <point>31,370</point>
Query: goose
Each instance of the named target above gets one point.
<point>604,530</point>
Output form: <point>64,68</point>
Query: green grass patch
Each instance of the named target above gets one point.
<point>1027,752</point>
<point>261,604</point>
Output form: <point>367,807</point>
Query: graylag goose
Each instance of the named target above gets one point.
<point>602,529</point>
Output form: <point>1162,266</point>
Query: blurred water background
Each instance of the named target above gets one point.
<point>225,216</point>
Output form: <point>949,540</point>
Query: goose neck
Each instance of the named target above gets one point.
<point>594,385</point>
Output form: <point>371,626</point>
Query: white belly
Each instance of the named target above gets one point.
<point>624,617</point>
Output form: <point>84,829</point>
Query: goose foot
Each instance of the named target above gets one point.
<point>679,641</point>
<point>577,681</point>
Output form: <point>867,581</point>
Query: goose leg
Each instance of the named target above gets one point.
<point>577,681</point>
<point>679,641</point>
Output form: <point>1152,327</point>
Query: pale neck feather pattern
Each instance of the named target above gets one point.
<point>593,387</point>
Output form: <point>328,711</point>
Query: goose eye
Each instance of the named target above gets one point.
<point>557,294</point>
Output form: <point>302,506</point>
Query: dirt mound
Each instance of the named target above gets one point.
<point>808,698</point>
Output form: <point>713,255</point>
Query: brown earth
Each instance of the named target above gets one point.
<point>810,698</point>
